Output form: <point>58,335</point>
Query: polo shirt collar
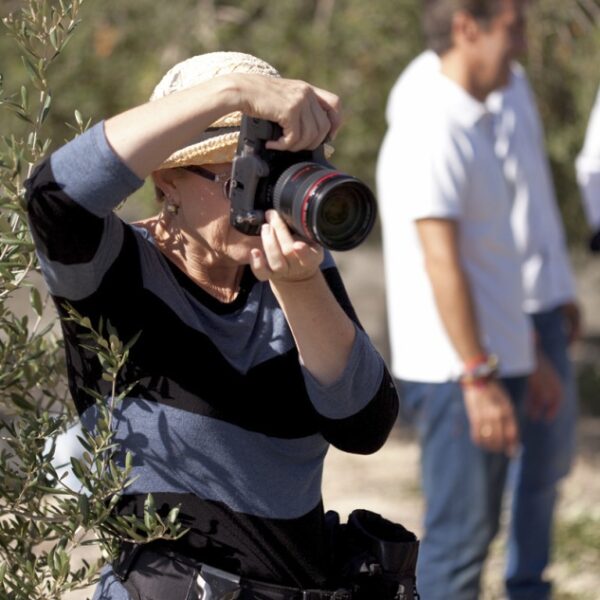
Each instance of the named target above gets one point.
<point>465,108</point>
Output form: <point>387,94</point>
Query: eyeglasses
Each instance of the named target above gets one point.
<point>224,178</point>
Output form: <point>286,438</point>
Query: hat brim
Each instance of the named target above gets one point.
<point>214,151</point>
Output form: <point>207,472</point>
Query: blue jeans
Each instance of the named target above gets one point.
<point>548,450</point>
<point>464,485</point>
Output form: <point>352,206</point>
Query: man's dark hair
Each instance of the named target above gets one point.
<point>438,14</point>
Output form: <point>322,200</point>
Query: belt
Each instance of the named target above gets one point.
<point>152,573</point>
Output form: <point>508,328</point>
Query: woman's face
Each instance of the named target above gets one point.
<point>203,215</point>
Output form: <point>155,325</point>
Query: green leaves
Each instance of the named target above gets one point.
<point>45,106</point>
<point>150,518</point>
<point>154,525</point>
<point>36,301</point>
<point>48,510</point>
<point>43,509</point>
<point>111,352</point>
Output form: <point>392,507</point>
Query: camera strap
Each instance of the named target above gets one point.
<point>213,132</point>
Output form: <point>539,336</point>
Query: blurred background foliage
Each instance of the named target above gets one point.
<point>352,47</point>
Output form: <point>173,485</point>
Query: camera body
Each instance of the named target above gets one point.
<point>319,203</point>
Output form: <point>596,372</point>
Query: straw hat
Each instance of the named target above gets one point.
<point>218,143</point>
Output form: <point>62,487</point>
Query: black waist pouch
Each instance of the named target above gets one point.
<point>374,557</point>
<point>371,557</point>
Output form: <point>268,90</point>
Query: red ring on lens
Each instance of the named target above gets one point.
<point>307,195</point>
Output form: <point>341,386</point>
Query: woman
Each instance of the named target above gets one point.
<point>250,360</point>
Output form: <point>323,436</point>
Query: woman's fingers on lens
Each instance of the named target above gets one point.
<point>258,262</point>
<point>287,256</point>
<point>307,255</point>
<point>275,258</point>
<point>282,233</point>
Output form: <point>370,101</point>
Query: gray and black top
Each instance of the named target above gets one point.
<point>224,420</point>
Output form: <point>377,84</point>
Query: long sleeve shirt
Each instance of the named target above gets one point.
<point>223,420</point>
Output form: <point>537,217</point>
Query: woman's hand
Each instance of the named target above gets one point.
<point>323,333</point>
<point>283,258</point>
<point>307,114</point>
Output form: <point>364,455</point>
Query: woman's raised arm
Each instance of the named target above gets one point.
<point>146,135</point>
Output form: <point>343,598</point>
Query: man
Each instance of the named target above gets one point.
<point>462,346</point>
<point>548,431</point>
<point>588,175</point>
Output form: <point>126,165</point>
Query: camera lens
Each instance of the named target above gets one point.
<point>325,205</point>
<point>341,213</point>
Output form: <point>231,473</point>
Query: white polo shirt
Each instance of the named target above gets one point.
<point>588,168</point>
<point>537,227</point>
<point>438,160</point>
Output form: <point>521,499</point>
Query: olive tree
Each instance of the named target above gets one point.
<point>44,518</point>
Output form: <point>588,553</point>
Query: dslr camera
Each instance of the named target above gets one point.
<point>318,203</point>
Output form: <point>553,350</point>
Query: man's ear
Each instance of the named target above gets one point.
<point>465,28</point>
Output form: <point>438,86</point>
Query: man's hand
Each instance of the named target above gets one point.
<point>491,417</point>
<point>545,391</point>
<point>572,315</point>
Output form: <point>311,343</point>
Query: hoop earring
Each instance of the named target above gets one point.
<point>171,207</point>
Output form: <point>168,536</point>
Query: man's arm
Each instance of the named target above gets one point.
<point>490,412</point>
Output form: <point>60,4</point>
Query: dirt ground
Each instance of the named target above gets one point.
<point>388,482</point>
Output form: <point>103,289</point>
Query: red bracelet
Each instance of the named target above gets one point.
<point>470,364</point>
<point>481,372</point>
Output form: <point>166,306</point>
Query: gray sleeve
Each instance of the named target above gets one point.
<point>70,201</point>
<point>89,171</point>
<point>357,386</point>
<point>80,280</point>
